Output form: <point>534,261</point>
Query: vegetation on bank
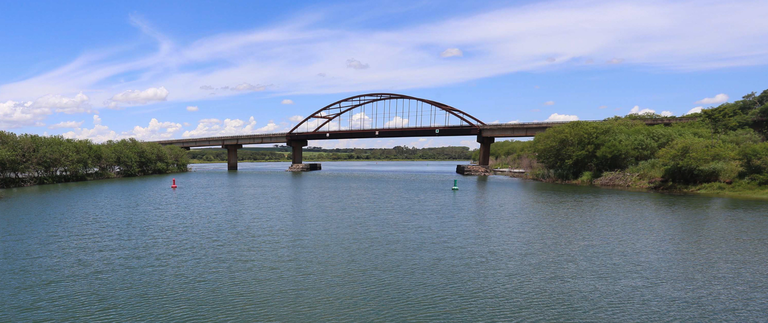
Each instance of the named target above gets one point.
<point>317,154</point>
<point>725,150</point>
<point>31,159</point>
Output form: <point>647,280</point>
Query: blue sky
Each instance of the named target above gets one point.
<point>157,70</point>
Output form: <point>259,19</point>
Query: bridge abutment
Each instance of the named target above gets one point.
<point>232,156</point>
<point>297,154</point>
<point>483,163</point>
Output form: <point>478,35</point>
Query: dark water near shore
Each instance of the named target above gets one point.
<point>386,241</point>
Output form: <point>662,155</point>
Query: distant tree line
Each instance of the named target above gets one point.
<point>727,144</point>
<point>219,155</point>
<point>31,159</point>
<point>319,154</point>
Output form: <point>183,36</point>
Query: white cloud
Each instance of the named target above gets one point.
<point>296,118</point>
<point>216,127</point>
<point>562,117</point>
<point>192,108</point>
<point>78,104</point>
<point>549,103</point>
<point>155,130</point>
<point>551,59</point>
<point>694,110</point>
<point>637,110</point>
<point>720,98</point>
<point>66,125</point>
<point>615,61</point>
<point>270,127</point>
<point>452,52</point>
<point>396,122</point>
<point>666,113</point>
<point>139,97</point>
<point>286,101</point>
<point>355,64</point>
<point>97,134</point>
<point>19,114</point>
<point>602,107</point>
<point>514,121</point>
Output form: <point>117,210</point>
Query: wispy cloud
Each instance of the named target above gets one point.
<point>717,99</point>
<point>653,34</point>
<point>452,52</point>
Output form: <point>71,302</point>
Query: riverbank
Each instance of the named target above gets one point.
<point>28,160</point>
<point>632,182</point>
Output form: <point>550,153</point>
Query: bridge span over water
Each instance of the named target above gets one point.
<point>382,115</point>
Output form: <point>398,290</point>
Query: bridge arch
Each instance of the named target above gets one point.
<point>381,111</point>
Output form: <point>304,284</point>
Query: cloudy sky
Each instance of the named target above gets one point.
<point>160,69</point>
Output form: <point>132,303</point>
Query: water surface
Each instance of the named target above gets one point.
<point>368,241</point>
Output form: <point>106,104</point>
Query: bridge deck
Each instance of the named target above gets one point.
<point>526,129</point>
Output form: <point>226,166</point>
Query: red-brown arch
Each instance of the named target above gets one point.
<point>363,99</point>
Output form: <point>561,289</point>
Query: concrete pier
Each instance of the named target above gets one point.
<point>297,150</point>
<point>297,153</point>
<point>232,155</point>
<point>485,150</point>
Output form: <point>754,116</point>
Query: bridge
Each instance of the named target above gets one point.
<point>382,115</point>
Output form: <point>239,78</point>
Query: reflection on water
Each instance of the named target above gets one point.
<point>386,241</point>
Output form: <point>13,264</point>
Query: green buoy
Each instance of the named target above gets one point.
<point>455,186</point>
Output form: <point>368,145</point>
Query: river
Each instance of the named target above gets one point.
<point>375,242</point>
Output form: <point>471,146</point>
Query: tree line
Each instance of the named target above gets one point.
<point>395,153</point>
<point>726,144</point>
<point>32,159</point>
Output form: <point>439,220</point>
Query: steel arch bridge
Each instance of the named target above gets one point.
<point>380,115</point>
<point>388,115</point>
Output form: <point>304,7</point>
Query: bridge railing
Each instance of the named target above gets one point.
<point>649,121</point>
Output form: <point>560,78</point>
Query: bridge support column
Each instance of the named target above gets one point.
<point>232,156</point>
<point>485,150</point>
<point>297,164</point>
<point>296,150</point>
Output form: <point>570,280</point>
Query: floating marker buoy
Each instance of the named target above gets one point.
<point>455,186</point>
<point>174,183</point>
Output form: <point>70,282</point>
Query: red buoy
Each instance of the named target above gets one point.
<point>174,183</point>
